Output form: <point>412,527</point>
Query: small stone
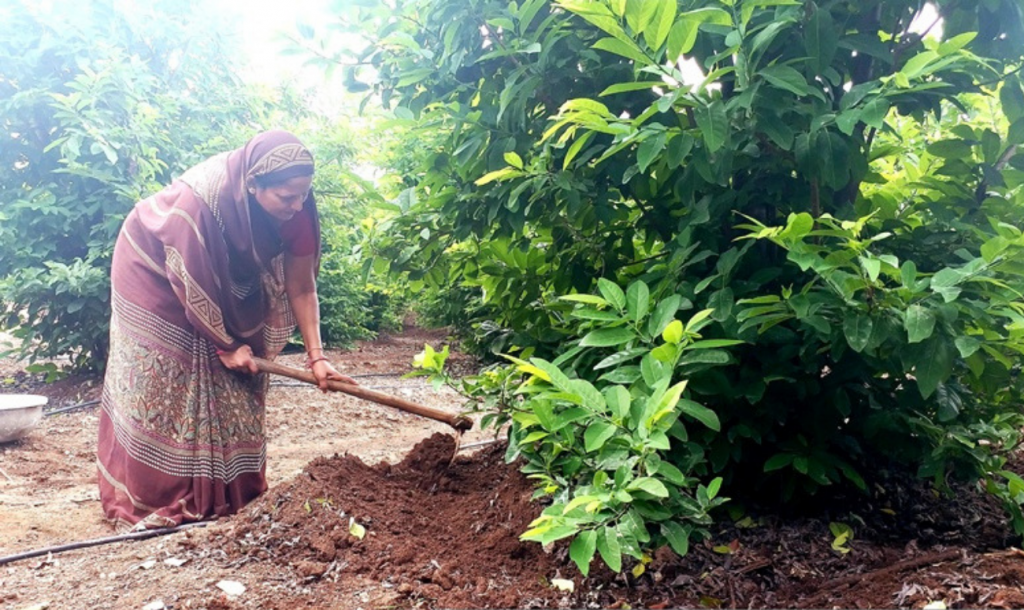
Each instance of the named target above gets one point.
<point>155,605</point>
<point>231,587</point>
<point>175,562</point>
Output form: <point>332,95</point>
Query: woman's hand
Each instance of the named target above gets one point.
<point>239,360</point>
<point>323,370</point>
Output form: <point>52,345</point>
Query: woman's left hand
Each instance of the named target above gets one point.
<point>324,370</point>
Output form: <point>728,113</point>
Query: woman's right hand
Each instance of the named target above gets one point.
<point>240,360</point>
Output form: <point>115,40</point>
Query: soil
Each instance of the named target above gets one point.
<point>443,534</point>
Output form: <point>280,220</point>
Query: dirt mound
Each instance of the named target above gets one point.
<point>441,536</point>
<point>444,535</point>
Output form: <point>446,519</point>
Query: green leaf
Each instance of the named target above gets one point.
<point>949,403</point>
<point>671,473</point>
<point>661,22</point>
<point>678,537</point>
<point>722,302</point>
<point>934,365</point>
<point>673,333</point>
<point>820,39</point>
<point>956,43</point>
<point>787,78</point>
<point>778,461</point>
<point>683,34</point>
<point>663,314</point>
<point>625,48</point>
<point>872,266</point>
<point>699,320</point>
<point>713,487</point>
<point>994,247</point>
<point>857,329</point>
<point>590,299</point>
<point>608,337</point>
<point>706,356</point>
<point>533,437</point>
<point>611,291</point>
<point>649,485</point>
<point>652,370</point>
<point>597,435</point>
<point>630,87</point>
<point>618,400</point>
<point>609,548</point>
<point>701,413</point>
<point>649,150</point>
<point>505,173</point>
<point>582,550</point>
<point>908,275</point>
<point>713,343</point>
<point>586,313</point>
<point>513,159</point>
<point>665,353</point>
<point>638,298</point>
<point>568,416</point>
<point>967,346</point>
<point>917,64</point>
<point>946,278</point>
<point>950,149</point>
<point>874,112</point>
<point>620,357</point>
<point>575,149</point>
<point>714,124</point>
<point>1011,98</point>
<point>624,374</point>
<point>919,322</point>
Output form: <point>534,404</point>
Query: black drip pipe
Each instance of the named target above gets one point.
<point>83,544</point>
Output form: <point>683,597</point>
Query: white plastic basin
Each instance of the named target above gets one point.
<point>18,414</point>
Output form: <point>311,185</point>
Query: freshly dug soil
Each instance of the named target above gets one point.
<point>443,536</point>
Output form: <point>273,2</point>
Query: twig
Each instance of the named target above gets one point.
<point>7,476</point>
<point>1010,152</point>
<point>757,565</point>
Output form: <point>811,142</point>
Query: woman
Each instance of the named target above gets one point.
<point>213,270</point>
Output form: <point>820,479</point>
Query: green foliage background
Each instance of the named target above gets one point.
<point>100,107</point>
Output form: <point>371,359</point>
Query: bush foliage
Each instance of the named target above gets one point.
<point>837,194</point>
<point>99,108</point>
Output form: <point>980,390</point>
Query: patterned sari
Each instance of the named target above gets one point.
<point>197,268</point>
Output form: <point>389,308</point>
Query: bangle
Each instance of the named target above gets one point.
<point>312,361</point>
<point>313,349</point>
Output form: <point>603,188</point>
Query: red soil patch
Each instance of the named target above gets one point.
<point>446,535</point>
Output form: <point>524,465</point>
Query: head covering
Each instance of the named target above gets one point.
<point>222,182</point>
<point>278,154</point>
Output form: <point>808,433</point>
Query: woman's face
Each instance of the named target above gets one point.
<point>284,201</point>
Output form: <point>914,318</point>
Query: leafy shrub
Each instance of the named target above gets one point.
<point>97,109</point>
<point>879,306</point>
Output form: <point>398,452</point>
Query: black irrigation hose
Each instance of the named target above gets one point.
<point>83,405</point>
<point>83,544</point>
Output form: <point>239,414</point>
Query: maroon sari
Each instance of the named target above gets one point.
<point>197,268</point>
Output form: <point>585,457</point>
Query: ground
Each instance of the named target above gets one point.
<point>446,535</point>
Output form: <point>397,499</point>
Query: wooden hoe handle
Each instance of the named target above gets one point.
<point>458,422</point>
